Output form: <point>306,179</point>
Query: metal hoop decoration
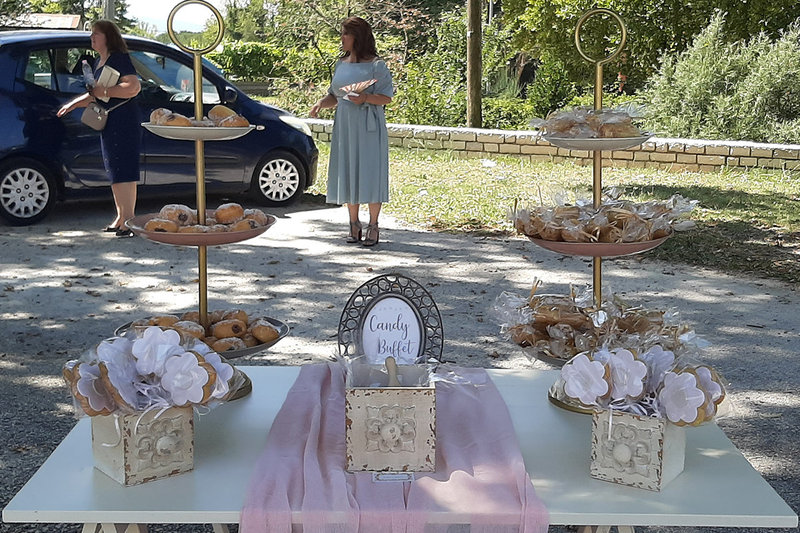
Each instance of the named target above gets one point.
<point>620,23</point>
<point>402,288</point>
<point>182,46</point>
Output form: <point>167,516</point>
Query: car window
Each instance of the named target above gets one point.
<point>58,69</point>
<point>164,78</point>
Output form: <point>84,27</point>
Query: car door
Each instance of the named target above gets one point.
<point>53,77</point>
<point>168,82</point>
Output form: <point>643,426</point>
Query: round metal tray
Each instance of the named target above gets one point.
<point>603,143</point>
<point>136,224</point>
<point>558,398</point>
<point>198,133</point>
<point>537,354</point>
<point>599,249</point>
<point>283,330</point>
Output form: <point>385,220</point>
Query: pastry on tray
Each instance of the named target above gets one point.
<point>178,218</point>
<point>228,329</point>
<point>218,116</point>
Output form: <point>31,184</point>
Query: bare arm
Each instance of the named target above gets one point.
<point>325,102</point>
<point>128,87</point>
<point>374,99</point>
<point>81,101</point>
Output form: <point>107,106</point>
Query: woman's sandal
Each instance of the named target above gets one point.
<point>124,233</point>
<point>371,236</point>
<point>355,232</point>
<point>111,229</point>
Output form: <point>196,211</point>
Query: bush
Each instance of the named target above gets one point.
<point>550,89</point>
<point>249,61</point>
<point>746,90</point>
<point>506,113</point>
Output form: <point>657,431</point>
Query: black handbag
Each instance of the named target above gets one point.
<point>95,116</point>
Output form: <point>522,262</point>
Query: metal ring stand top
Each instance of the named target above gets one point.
<point>597,155</point>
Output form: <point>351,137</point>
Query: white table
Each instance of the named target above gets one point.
<point>717,488</point>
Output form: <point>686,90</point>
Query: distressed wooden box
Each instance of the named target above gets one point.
<point>390,429</point>
<point>643,452</point>
<point>137,448</point>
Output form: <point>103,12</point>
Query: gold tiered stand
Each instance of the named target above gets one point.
<point>199,135</point>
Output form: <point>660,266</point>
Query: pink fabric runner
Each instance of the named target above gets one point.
<point>479,474</point>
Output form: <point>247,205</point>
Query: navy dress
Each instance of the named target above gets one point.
<point>120,141</point>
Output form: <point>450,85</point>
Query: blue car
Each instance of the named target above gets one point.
<point>44,158</point>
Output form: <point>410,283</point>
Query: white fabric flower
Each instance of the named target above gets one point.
<point>680,399</point>
<point>627,375</point>
<point>658,361</point>
<point>89,386</point>
<point>154,348</point>
<point>585,379</point>
<point>184,379</point>
<point>112,349</point>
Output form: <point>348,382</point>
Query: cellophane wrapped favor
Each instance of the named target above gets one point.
<point>149,369</point>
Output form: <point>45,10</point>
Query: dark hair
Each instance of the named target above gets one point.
<point>114,41</point>
<point>363,40</point>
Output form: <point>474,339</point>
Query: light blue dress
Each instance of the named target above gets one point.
<point>358,171</point>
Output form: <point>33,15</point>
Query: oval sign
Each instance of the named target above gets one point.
<point>391,328</point>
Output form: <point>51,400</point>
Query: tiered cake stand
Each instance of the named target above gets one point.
<point>596,145</point>
<point>199,135</point>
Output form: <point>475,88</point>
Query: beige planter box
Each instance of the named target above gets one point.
<point>643,452</point>
<point>390,429</point>
<point>135,449</point>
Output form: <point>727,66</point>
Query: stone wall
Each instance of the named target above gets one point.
<point>658,152</point>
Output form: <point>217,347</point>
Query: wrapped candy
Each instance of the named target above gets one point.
<point>585,123</point>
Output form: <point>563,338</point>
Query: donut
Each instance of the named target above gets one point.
<point>228,343</point>
<point>158,114</point>
<point>243,225</point>
<point>257,215</point>
<point>194,228</point>
<point>229,213</point>
<point>209,340</point>
<point>263,330</point>
<point>250,340</point>
<point>175,119</point>
<point>188,378</point>
<point>162,320</point>
<point>233,121</point>
<point>161,225</point>
<point>216,315</point>
<point>191,316</point>
<point>190,329</point>
<point>179,213</point>
<point>218,228</point>
<point>219,112</point>
<point>237,314</point>
<point>229,328</point>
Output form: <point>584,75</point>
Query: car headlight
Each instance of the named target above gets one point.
<point>297,123</point>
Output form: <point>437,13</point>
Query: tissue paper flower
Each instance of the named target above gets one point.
<point>111,349</point>
<point>680,398</point>
<point>90,392</point>
<point>585,379</point>
<point>658,361</point>
<point>154,348</point>
<point>627,375</point>
<point>187,378</point>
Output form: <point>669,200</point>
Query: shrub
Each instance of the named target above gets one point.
<point>249,61</point>
<point>550,89</point>
<point>746,90</point>
<point>506,113</point>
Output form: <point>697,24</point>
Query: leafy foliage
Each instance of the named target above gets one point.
<point>746,90</point>
<point>551,87</point>
<point>250,60</point>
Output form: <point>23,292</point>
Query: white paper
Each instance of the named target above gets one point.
<point>108,78</point>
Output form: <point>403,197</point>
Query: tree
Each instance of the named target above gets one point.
<point>655,27</point>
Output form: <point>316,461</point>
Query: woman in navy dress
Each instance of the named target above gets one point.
<point>121,139</point>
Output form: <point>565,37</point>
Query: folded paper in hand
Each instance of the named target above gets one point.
<point>354,89</point>
<point>108,78</point>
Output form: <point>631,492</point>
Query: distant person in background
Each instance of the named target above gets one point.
<point>358,171</point>
<point>121,139</point>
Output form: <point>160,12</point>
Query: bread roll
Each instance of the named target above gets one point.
<point>233,121</point>
<point>175,119</point>
<point>218,112</point>
<point>159,114</point>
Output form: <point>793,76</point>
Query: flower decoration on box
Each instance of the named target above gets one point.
<point>149,369</point>
<point>652,382</point>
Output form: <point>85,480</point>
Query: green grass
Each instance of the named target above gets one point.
<point>746,221</point>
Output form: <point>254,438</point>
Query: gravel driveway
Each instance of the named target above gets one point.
<point>65,286</point>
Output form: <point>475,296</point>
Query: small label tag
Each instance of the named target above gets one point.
<point>393,476</point>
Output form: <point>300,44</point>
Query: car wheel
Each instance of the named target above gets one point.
<point>27,191</point>
<point>278,179</point>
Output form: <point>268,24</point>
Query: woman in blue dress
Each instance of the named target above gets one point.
<point>121,138</point>
<point>358,172</point>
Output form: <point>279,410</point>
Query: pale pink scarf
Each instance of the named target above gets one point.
<point>479,474</point>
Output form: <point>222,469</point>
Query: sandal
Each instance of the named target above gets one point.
<point>355,232</point>
<point>372,235</point>
<point>111,229</point>
<point>124,233</point>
